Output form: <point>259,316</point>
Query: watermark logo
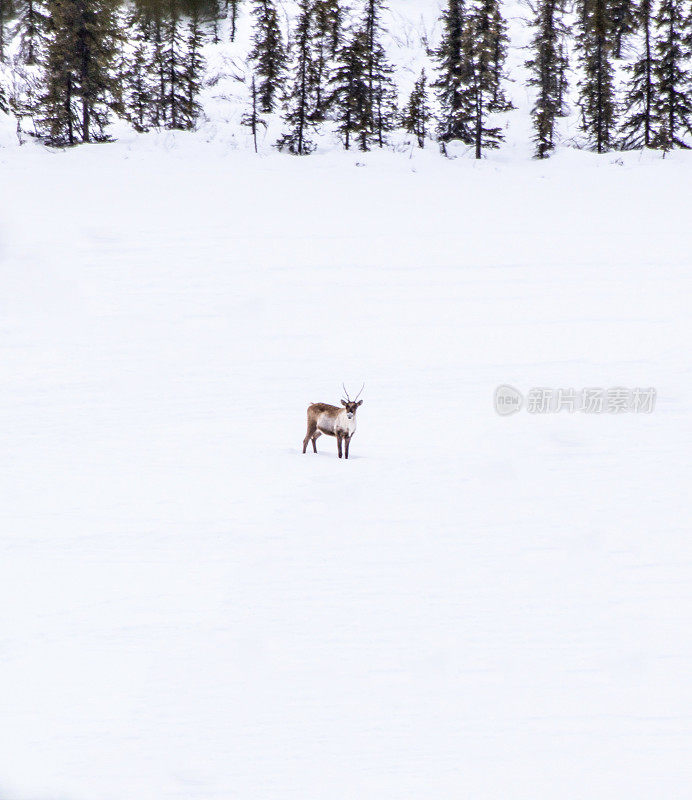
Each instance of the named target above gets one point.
<point>508,400</point>
<point>590,400</point>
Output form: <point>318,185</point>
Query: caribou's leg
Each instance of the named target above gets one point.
<point>338,443</point>
<point>314,441</point>
<point>312,427</point>
<point>348,442</point>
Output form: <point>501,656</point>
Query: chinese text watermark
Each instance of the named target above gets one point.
<point>590,400</point>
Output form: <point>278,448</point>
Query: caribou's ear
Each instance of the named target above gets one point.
<point>343,403</point>
<point>359,403</point>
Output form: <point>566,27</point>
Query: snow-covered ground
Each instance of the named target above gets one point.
<point>471,606</point>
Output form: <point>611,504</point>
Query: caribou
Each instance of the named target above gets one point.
<point>333,421</point>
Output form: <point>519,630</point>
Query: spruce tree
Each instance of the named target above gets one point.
<point>548,67</point>
<point>137,89</point>
<point>147,22</point>
<point>384,102</point>
<point>454,77</point>
<point>623,19</point>
<point>563,61</point>
<point>169,34</point>
<point>372,26</point>
<point>174,73</point>
<point>252,119</point>
<point>180,63</point>
<point>300,99</point>
<point>417,111</point>
<point>31,28</point>
<point>326,40</point>
<point>350,98</point>
<point>80,90</point>
<point>99,89</point>
<point>581,13</point>
<point>159,70</point>
<point>4,107</point>
<point>268,54</point>
<point>381,95</point>
<point>638,115</point>
<point>673,81</point>
<point>210,12</point>
<point>138,83</point>
<point>232,10</point>
<point>596,91</point>
<point>6,15</point>
<point>194,62</point>
<point>499,39</point>
<point>55,109</point>
<point>480,48</point>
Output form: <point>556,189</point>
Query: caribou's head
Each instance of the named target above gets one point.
<point>351,405</point>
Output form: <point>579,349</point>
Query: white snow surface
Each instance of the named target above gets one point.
<point>470,606</point>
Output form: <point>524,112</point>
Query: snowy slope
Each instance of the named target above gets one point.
<point>471,606</point>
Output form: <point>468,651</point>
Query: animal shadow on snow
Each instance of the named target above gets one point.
<point>322,454</point>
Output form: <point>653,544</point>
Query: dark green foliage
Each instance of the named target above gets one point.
<point>623,19</point>
<point>563,60</point>
<point>350,98</point>
<point>300,99</point>
<point>471,61</point>
<point>169,36</point>
<point>7,12</point>
<point>499,41</point>
<point>232,11</point>
<point>548,67</point>
<point>211,12</point>
<point>673,81</point>
<point>80,90</point>
<point>638,115</point>
<point>174,50</point>
<point>596,92</point>
<point>4,107</point>
<point>363,98</point>
<point>138,94</point>
<point>326,41</point>
<point>484,51</point>
<point>32,25</point>
<point>138,78</point>
<point>371,24</point>
<point>159,72</point>
<point>193,65</point>
<point>328,25</point>
<point>384,110</point>
<point>268,54</point>
<point>149,25</point>
<point>454,77</point>
<point>580,12</point>
<point>417,111</point>
<point>381,100</point>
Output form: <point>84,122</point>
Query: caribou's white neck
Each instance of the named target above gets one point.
<point>346,424</point>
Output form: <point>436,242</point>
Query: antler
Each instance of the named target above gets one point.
<point>357,396</point>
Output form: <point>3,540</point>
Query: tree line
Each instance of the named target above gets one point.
<point>77,63</point>
<point>655,109</point>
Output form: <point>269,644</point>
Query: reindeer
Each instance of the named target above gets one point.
<point>334,421</point>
